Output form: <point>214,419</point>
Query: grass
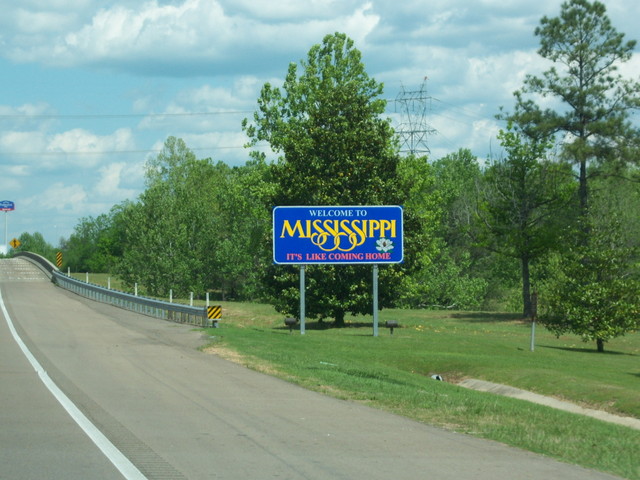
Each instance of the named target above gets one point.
<point>393,372</point>
<point>102,279</point>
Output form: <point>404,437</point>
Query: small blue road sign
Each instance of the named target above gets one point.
<point>7,206</point>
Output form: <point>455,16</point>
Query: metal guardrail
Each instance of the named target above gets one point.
<point>174,312</point>
<point>45,265</point>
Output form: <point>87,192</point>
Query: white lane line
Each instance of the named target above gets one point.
<point>115,456</point>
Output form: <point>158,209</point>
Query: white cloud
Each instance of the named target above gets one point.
<point>219,146</point>
<point>631,69</point>
<point>207,108</point>
<point>9,185</point>
<point>109,184</point>
<point>34,22</point>
<point>33,150</point>
<point>122,33</point>
<point>483,137</point>
<point>120,30</point>
<point>187,36</point>
<point>55,5</point>
<point>86,149</point>
<point>61,198</point>
<point>208,98</point>
<point>14,144</point>
<point>17,170</point>
<point>293,10</point>
<point>25,117</point>
<point>25,110</point>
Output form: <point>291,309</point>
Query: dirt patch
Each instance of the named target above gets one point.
<point>225,353</point>
<point>249,362</point>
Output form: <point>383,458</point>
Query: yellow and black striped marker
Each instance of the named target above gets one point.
<point>214,312</point>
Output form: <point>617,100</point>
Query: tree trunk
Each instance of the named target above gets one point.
<point>526,287</point>
<point>583,192</point>
<point>600,344</point>
<point>583,195</point>
<point>339,319</point>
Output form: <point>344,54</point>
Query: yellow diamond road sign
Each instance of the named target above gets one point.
<point>15,243</point>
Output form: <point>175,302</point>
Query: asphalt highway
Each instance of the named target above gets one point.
<point>174,412</point>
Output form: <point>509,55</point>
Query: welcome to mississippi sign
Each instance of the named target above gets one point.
<point>337,234</point>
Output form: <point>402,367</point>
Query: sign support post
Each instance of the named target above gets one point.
<point>302,300</point>
<point>375,299</point>
<point>343,234</point>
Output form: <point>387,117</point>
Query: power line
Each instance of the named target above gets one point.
<point>116,152</point>
<point>462,110</point>
<point>76,116</point>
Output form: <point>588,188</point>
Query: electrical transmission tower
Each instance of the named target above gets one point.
<point>413,129</point>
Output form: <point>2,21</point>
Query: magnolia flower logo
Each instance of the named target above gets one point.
<point>384,245</point>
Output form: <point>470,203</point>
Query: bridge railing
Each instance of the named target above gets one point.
<point>174,312</point>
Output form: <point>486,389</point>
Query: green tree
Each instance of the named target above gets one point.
<point>326,124</point>
<point>520,203</point>
<point>198,227</point>
<point>35,243</point>
<point>451,278</point>
<point>164,229</point>
<point>239,222</point>
<point>457,176</point>
<point>614,194</point>
<point>95,244</point>
<point>592,120</point>
<point>442,191</point>
<point>594,290</point>
<point>334,149</point>
<point>593,100</point>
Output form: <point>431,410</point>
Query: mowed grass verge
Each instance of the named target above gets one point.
<point>393,372</point>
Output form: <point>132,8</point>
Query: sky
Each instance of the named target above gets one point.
<point>91,89</point>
